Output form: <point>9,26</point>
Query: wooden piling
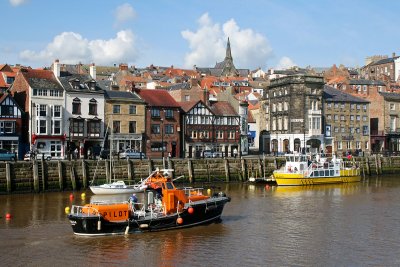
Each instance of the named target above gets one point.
<point>130,170</point>
<point>243,167</point>
<point>44,180</point>
<point>208,170</point>
<point>8,177</point>
<point>35,176</point>
<point>151,166</point>
<point>60,175</point>
<point>367,165</point>
<point>73,177</point>
<point>190,171</point>
<point>108,170</point>
<point>170,165</point>
<point>227,172</point>
<point>260,168</point>
<point>84,174</point>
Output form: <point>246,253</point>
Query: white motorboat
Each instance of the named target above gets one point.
<point>117,187</point>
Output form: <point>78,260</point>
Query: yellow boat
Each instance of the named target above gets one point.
<point>299,169</point>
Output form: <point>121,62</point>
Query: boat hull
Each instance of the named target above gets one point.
<point>99,190</point>
<point>300,179</point>
<point>203,212</point>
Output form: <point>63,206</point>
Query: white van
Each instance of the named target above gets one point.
<point>47,149</point>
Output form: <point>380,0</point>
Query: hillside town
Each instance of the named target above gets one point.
<point>78,110</point>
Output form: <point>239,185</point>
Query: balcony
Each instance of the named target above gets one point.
<point>389,130</point>
<point>314,112</point>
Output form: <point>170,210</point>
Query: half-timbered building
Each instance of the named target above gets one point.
<point>11,126</point>
<point>210,127</point>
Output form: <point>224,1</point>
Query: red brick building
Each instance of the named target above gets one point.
<point>162,135</point>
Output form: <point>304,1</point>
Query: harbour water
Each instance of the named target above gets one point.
<point>329,225</point>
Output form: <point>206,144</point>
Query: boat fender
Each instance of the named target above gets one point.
<point>190,210</point>
<point>127,230</point>
<point>99,225</point>
<point>179,220</point>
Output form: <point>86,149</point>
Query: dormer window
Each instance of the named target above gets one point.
<point>92,107</point>
<point>92,85</point>
<point>76,106</point>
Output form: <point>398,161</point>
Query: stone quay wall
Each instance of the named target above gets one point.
<point>42,176</point>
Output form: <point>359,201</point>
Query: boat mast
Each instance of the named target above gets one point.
<point>111,149</point>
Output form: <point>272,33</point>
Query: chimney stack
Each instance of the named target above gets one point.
<point>123,66</point>
<point>393,55</point>
<point>56,68</point>
<point>92,71</point>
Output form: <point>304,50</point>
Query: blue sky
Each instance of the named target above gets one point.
<point>266,34</point>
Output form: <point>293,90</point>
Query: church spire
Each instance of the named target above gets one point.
<point>228,50</point>
<point>228,68</point>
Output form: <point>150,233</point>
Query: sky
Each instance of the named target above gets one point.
<point>263,33</point>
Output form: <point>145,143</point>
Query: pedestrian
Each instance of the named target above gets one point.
<point>235,152</point>
<point>76,153</point>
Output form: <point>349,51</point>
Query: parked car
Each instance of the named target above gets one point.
<point>212,154</point>
<point>7,155</point>
<point>37,155</point>
<point>132,154</point>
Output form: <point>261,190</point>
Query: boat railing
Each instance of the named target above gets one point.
<point>84,210</point>
<point>193,191</point>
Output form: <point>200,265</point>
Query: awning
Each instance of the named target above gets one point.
<point>252,134</point>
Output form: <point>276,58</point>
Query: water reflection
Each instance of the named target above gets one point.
<point>328,225</point>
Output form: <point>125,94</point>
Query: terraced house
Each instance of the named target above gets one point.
<point>41,96</point>
<point>83,112</point>
<point>125,117</point>
<point>346,121</point>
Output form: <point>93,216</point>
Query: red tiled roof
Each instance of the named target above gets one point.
<point>188,105</point>
<point>3,97</point>
<point>133,79</point>
<point>171,72</point>
<point>250,118</point>
<point>158,98</point>
<point>223,108</point>
<point>10,73</point>
<point>2,82</point>
<point>40,74</point>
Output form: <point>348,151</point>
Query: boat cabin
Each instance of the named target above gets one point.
<point>162,193</point>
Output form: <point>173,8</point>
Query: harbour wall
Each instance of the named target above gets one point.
<point>42,176</point>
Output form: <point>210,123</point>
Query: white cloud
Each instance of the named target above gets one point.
<point>208,44</point>
<point>124,13</point>
<point>285,63</point>
<point>70,48</point>
<point>18,2</point>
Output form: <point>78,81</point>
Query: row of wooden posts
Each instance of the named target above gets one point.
<point>367,165</point>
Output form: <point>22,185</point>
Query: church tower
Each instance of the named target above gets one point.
<point>228,68</point>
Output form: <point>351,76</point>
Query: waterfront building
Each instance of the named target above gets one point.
<point>215,127</point>
<point>293,109</point>
<point>391,123</point>
<point>41,96</point>
<point>83,111</point>
<point>125,115</point>
<point>11,126</point>
<point>162,134</point>
<point>346,122</point>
